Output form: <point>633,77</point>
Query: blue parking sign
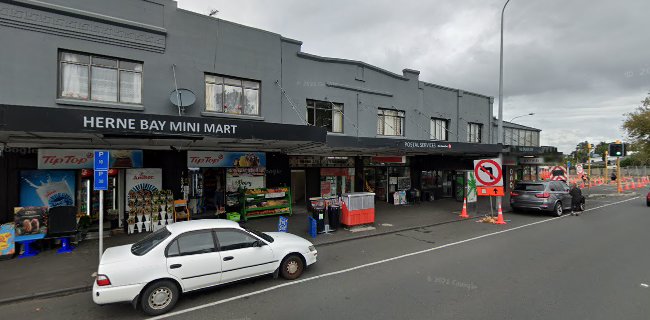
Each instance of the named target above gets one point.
<point>102,159</point>
<point>101,180</point>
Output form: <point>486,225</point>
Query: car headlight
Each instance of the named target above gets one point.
<point>312,248</point>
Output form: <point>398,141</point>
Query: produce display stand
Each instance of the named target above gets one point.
<point>265,202</point>
<point>358,208</point>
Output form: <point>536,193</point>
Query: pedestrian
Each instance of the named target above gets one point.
<point>576,199</point>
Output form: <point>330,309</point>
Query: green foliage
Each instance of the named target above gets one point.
<point>600,149</point>
<point>637,126</point>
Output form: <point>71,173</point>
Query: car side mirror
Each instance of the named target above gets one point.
<point>258,243</point>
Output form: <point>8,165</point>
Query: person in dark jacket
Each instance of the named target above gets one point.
<point>576,199</point>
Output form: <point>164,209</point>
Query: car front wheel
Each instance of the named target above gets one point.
<point>292,267</point>
<point>159,297</point>
<point>558,209</point>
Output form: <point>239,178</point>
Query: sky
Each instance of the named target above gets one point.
<point>579,65</point>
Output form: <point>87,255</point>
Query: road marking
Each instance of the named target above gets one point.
<point>644,285</point>
<point>329,274</point>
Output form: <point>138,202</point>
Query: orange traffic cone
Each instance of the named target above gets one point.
<point>627,187</point>
<point>633,186</point>
<point>500,217</point>
<point>463,214</point>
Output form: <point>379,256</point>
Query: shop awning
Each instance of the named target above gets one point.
<point>78,128</point>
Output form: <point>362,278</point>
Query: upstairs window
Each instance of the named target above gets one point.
<point>390,122</point>
<point>232,95</point>
<point>325,114</point>
<point>99,78</point>
<point>474,132</point>
<point>439,129</point>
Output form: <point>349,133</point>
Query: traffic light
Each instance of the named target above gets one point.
<point>616,150</point>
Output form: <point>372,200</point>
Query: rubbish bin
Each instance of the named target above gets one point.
<point>319,215</point>
<point>334,217</point>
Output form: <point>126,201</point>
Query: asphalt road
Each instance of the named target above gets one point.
<point>587,267</point>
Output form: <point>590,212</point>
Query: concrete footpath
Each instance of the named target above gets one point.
<point>50,274</point>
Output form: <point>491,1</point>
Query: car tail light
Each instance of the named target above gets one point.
<point>513,194</point>
<point>543,195</point>
<point>103,280</point>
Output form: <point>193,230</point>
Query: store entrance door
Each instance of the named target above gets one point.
<point>298,185</point>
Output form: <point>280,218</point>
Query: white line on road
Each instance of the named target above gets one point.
<point>295,282</point>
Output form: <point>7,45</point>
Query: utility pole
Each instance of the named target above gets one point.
<point>605,175</point>
<point>500,122</point>
<point>618,171</point>
<point>589,164</point>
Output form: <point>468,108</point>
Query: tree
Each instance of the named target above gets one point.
<point>600,149</point>
<point>637,126</point>
<point>581,155</point>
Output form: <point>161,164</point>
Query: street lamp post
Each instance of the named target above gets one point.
<point>523,115</point>
<point>500,126</point>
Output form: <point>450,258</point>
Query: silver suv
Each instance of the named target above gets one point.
<point>550,196</point>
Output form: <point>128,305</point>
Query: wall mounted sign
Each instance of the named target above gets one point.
<point>83,159</point>
<point>212,159</point>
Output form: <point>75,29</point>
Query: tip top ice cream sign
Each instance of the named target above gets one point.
<point>117,123</point>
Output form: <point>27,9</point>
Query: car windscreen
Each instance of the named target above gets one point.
<point>261,235</point>
<point>529,187</point>
<point>149,242</point>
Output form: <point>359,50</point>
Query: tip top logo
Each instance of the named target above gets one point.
<point>206,159</point>
<point>69,159</point>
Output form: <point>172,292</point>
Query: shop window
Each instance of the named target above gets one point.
<point>474,132</point>
<point>232,96</point>
<point>98,78</point>
<point>390,122</point>
<point>439,129</point>
<point>325,114</point>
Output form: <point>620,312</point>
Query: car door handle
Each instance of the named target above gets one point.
<point>228,258</point>
<point>175,266</point>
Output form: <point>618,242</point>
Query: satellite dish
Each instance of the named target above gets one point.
<point>182,98</point>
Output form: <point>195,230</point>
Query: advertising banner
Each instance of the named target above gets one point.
<point>30,220</point>
<point>83,158</point>
<point>247,178</point>
<point>211,159</point>
<point>471,187</point>
<point>7,240</point>
<point>143,182</point>
<point>47,188</point>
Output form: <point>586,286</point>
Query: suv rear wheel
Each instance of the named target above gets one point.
<point>558,209</point>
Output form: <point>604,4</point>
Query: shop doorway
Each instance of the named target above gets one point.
<point>298,186</point>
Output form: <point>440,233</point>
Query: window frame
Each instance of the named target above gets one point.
<point>243,86</point>
<point>214,242</point>
<point>89,65</point>
<point>445,130</point>
<point>470,133</point>
<point>312,104</point>
<point>401,114</point>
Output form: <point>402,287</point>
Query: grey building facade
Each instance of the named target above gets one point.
<point>87,74</point>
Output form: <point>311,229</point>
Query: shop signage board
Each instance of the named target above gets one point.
<point>212,159</point>
<point>248,178</point>
<point>538,160</point>
<point>490,191</point>
<point>488,173</point>
<point>44,119</point>
<point>144,181</point>
<point>84,158</point>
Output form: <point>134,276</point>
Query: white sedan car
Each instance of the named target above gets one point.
<point>192,255</point>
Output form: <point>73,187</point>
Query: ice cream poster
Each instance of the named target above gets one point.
<point>7,239</point>
<point>47,188</point>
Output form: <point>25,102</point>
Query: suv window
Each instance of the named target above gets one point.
<point>192,243</point>
<point>234,239</point>
<point>529,187</point>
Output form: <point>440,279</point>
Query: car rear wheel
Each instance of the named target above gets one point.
<point>558,209</point>
<point>159,297</point>
<point>647,203</point>
<point>292,267</point>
